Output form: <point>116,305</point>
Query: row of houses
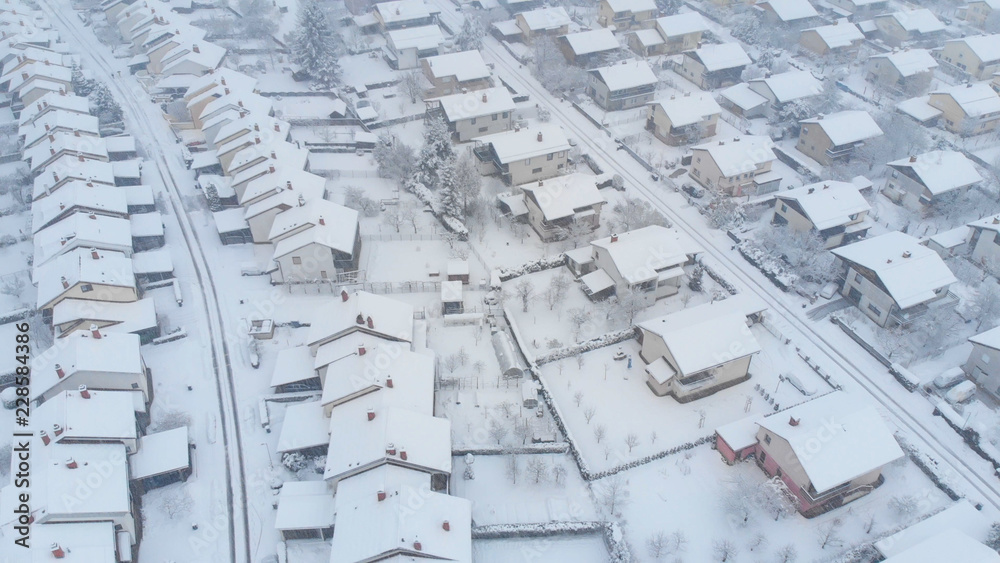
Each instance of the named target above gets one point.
<point>373,425</point>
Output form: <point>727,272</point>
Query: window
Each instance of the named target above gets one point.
<point>767,438</point>
<point>805,130</point>
<point>86,288</point>
<point>895,173</point>
<point>527,162</point>
<point>857,277</point>
<point>536,170</point>
<point>561,166</point>
<point>135,386</point>
<point>550,156</point>
<point>322,274</point>
<point>763,457</point>
<point>784,208</point>
<point>985,359</point>
<point>696,173</point>
<point>473,120</point>
<point>495,117</point>
<point>874,309</point>
<point>562,154</point>
<point>296,260</point>
<point>505,114</point>
<point>483,129</point>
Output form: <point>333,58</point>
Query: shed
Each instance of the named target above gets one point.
<point>451,298</point>
<point>163,458</point>
<point>458,270</point>
<point>503,345</point>
<point>306,509</point>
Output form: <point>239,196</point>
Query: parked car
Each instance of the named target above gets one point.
<point>949,378</point>
<point>961,392</point>
<point>693,191</point>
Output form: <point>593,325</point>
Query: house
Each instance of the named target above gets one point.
<point>58,145</point>
<point>646,42</point>
<point>456,73</point>
<point>87,416</point>
<point>622,86</point>
<point>786,87</point>
<point>306,510</point>
<point>586,47</point>
<point>405,47</point>
<point>34,80</point>
<point>543,22</point>
<point>714,66</point>
<point>969,109</point>
<point>361,312</point>
<point>910,25</point>
<point>563,206</point>
<point>138,317</point>
<point>915,181</point>
<point>82,230</point>
<point>192,57</point>
<point>836,211</point>
<point>961,515</point>
<point>744,102</point>
<point>374,505</point>
<point>54,101</point>
<point>829,138</point>
<point>250,130</point>
<point>857,445</point>
<point>978,56</point>
<point>788,13</point>
<point>738,167</point>
<point>478,113</point>
<point>94,275</point>
<point>405,380</point>
<point>623,15</point>
<point>272,194</point>
<point>695,352</point>
<point>683,119</point>
<point>908,71</point>
<point>67,171</point>
<point>259,160</point>
<point>983,240</point>
<point>58,121</point>
<point>315,241</point>
<point>79,198</point>
<point>892,278</point>
<point>94,542</point>
<point>525,155</point>
<point>979,11</point>
<point>861,7</point>
<point>677,33</point>
<point>648,262</point>
<point>843,38</point>
<point>983,364</point>
<point>404,13</point>
<point>98,360</point>
<point>952,545</point>
<point>163,458</point>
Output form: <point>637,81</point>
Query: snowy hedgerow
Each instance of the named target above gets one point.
<point>316,45</point>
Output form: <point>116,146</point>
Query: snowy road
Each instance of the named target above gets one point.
<point>152,133</point>
<point>910,413</point>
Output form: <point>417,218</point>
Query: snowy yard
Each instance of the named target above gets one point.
<point>579,549</point>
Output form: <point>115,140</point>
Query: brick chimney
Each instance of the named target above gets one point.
<point>270,169</point>
<point>539,136</point>
<point>388,381</point>
<point>45,437</point>
<point>195,49</point>
<point>322,221</point>
<point>360,319</point>
<point>84,392</point>
<point>446,526</point>
<point>484,97</point>
<point>57,429</point>
<point>792,421</point>
<point>614,237</point>
<point>417,546</point>
<point>913,159</point>
<point>71,463</point>
<point>390,449</point>
<point>95,332</point>
<point>380,495</point>
<point>256,127</point>
<point>93,251</point>
<point>65,283</point>
<point>57,551</point>
<point>344,296</point>
<point>371,414</point>
<point>402,453</point>
<point>371,323</point>
<point>362,350</point>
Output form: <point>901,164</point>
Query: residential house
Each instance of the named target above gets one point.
<point>306,510</point>
<point>259,160</point>
<point>961,515</point>
<point>563,206</point>
<point>58,121</point>
<point>829,138</point>
<point>228,108</point>
<point>677,33</point>
<point>68,170</point>
<point>93,275</point>
<point>983,364</point>
<point>34,80</point>
<point>587,47</point>
<point>98,360</point>
<point>622,86</point>
<point>911,25</point>
<point>836,211</point>
<point>738,167</point>
<point>648,262</point>
<point>272,194</point>
<point>979,56</point>
<point>163,458</point>
<point>696,352</point>
<point>89,416</point>
<point>95,542</point>
<point>53,101</point>
<point>646,42</point>
<point>315,241</point>
<point>365,313</point>
<point>915,181</point>
<point>861,7</point>
<point>405,47</point>
<point>892,278</point>
<point>979,11</point>
<point>683,119</point>
<point>967,109</point>
<point>744,102</point>
<point>196,57</point>
<point>786,87</point>
<point>58,145</point>
<point>951,544</point>
<point>525,155</point>
<point>79,197</point>
<point>406,380</point>
<point>244,132</point>
<point>478,113</point>
<point>137,317</point>
<point>213,85</point>
<point>714,66</point>
<point>983,240</point>
<point>857,445</point>
<point>623,15</point>
<point>543,22</point>
<point>84,231</point>
<point>842,39</point>
<point>908,71</point>
<point>404,13</point>
<point>455,73</point>
<point>788,13</point>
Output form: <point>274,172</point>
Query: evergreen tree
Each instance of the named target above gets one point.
<point>104,105</point>
<point>212,195</point>
<point>451,199</point>
<point>436,153</point>
<point>316,45</point>
<point>82,86</point>
<point>471,36</point>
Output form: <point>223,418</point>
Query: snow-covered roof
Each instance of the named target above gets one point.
<point>791,10</point>
<point>949,545</point>
<point>77,266</point>
<point>828,204</point>
<point>285,154</point>
<point>721,56</point>
<point>227,78</point>
<point>476,103</point>
<point>681,24</point>
<point>230,220</point>
<point>422,37</point>
<point>562,196</point>
<point>975,99</point>
<point>789,86</point>
<point>390,318</point>
<point>139,196</point>
<point>161,453</point>
<point>367,528</point>
<point>631,5</point>
<point>104,416</point>
<point>626,75</point>
<point>411,374</point>
<point>240,101</point>
<point>639,254</point>
<point>113,317</point>
<point>597,281</point>
<point>986,47</point>
<point>704,336</point>
<point>146,224</point>
<point>131,168</point>
<point>305,426</point>
<point>537,140</point>
<point>959,516</point>
<point>201,53</point>
<point>68,167</point>
<point>910,61</point>
<point>284,179</point>
<point>82,229</point>
<point>305,505</point>
<point>120,144</point>
<point>544,19</point>
<point>336,228</point>
<point>246,129</point>
<point>940,171</point>
<point>174,82</point>
<point>55,120</point>
<point>918,108</point>
<point>740,155</point>
<point>842,34</point>
<point>64,142</point>
<point>464,66</point>
<point>507,28</point>
<point>51,102</point>
<point>920,20</point>
<point>990,338</point>
<point>292,365</point>
<point>660,370</point>
<point>855,438</point>
<point>847,127</point>
<point>33,71</point>
<point>648,37</point>
<point>113,353</point>
<point>77,195</point>
<point>593,41</point>
<point>403,10</point>
<point>743,97</point>
<point>54,484</point>
<point>740,434</point>
<point>909,271</point>
<point>82,542</point>
<point>357,442</point>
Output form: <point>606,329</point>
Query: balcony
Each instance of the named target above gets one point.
<point>842,151</point>
<point>907,316</point>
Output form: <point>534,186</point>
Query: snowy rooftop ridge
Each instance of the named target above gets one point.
<point>537,140</point>
<point>422,38</point>
<point>841,34</point>
<point>681,24</point>
<point>975,99</point>
<point>986,47</point>
<point>593,41</point>
<point>791,10</point>
<point>544,19</point>
<point>910,61</point>
<point>828,204</point>
<point>391,319</point>
<point>721,56</point>
<point>947,545</point>
<point>739,155</point>
<point>562,196</point>
<point>626,75</point>
<point>940,171</point>
<point>640,253</point>
<point>464,66</point>
<point>920,20</point>
<point>789,86</point>
<point>847,127</point>
<point>632,5</point>
<point>476,103</point>
<point>687,109</point>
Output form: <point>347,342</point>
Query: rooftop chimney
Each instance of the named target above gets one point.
<point>913,159</point>
<point>322,221</point>
<point>226,91</point>
<point>302,199</point>
<point>93,252</point>
<point>811,190</point>
<point>65,283</point>
<point>390,449</point>
<point>380,495</point>
<point>614,237</point>
<point>277,128</point>
<point>52,138</point>
<point>45,437</point>
<point>273,156</point>
<point>92,217</point>
<point>71,463</point>
<point>371,323</point>
<point>195,49</point>
<point>47,127</point>
<point>270,169</point>
<point>95,332</point>
<point>344,296</point>
<point>239,102</point>
<point>446,526</point>
<point>371,414</point>
<point>484,97</point>
<point>222,81</point>
<point>57,551</point>
<point>417,546</point>
<point>57,429</point>
<point>362,350</point>
<point>402,453</point>
<point>360,319</point>
<point>84,392</point>
<point>721,143</point>
<point>792,421</point>
<point>539,136</point>
<point>907,254</point>
<point>256,140</point>
<point>388,381</point>
<point>76,132</point>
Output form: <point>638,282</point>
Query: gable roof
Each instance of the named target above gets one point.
<point>52,101</point>
<point>741,155</point>
<point>975,99</point>
<point>721,56</point>
<point>986,47</point>
<point>411,373</point>
<point>521,144</point>
<point>77,195</point>
<point>58,119</point>
<point>625,75</point>
<point>421,38</point>
<point>54,484</point>
<point>77,266</point>
<point>83,542</point>
<point>87,229</point>
<point>847,127</point>
<point>632,5</point>
<point>681,24</point>
<point>476,103</point>
<point>464,66</point>
<point>593,41</point>
<point>640,253</point>
<point>546,18</point>
<point>789,86</point>
<point>403,10</point>
<point>940,171</point>
<point>841,34</point>
<point>920,20</point>
<point>857,443</point>
<point>119,317</point>
<point>561,196</point>
<point>828,204</point>
<point>105,415</point>
<point>68,167</point>
<point>909,271</point>
<point>688,108</point>
<point>947,545</point>
<point>332,225</point>
<point>910,61</point>
<point>391,318</point>
<point>791,10</point>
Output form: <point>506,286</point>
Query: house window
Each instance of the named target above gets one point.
<point>473,120</point>
<point>696,173</point>
<point>562,154</point>
<point>135,386</point>
<point>527,162</point>
<point>561,166</point>
<point>322,274</point>
<point>875,310</point>
<point>550,156</point>
<point>985,359</point>
<point>483,129</point>
<point>495,117</point>
<point>536,170</point>
<point>767,438</point>
<point>296,260</point>
<point>86,288</point>
<point>505,114</point>
<point>784,208</point>
<point>857,278</point>
<point>763,457</point>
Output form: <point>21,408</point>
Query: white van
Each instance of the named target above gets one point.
<point>961,392</point>
<point>949,378</point>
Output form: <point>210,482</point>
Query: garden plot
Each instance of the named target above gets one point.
<point>398,261</point>
<point>622,409</point>
<point>536,492</point>
<point>579,549</point>
<point>693,494</point>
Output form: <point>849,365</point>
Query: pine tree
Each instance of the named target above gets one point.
<point>212,195</point>
<point>451,199</point>
<point>104,105</point>
<point>316,45</point>
<point>82,86</point>
<point>436,153</point>
<point>471,36</point>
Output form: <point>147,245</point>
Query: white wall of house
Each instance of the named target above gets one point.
<point>983,366</point>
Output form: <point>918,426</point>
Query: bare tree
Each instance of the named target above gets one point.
<point>522,431</point>
<point>171,419</point>
<point>411,85</point>
<point>903,505</point>
<point>498,431</point>
<point>892,339</point>
<point>556,291</point>
<point>987,305</point>
<point>633,213</point>
<point>829,534</point>
<point>652,437</point>
<point>559,473</point>
<point>741,499</point>
<point>588,414</point>
<point>177,503</point>
<point>507,408</point>
<point>578,398</point>
<point>631,440</point>
<point>537,469</point>
<point>600,431</point>
<point>525,291</point>
<point>614,494</point>
<point>678,541</point>
<point>627,306</point>
<point>758,541</point>
<point>409,215</point>
<point>462,355</point>
<point>578,317</point>
<point>777,499</point>
<point>724,550</point>
<point>513,468</point>
<point>451,363</point>
<point>394,220</point>
<point>787,554</point>
<point>658,545</point>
